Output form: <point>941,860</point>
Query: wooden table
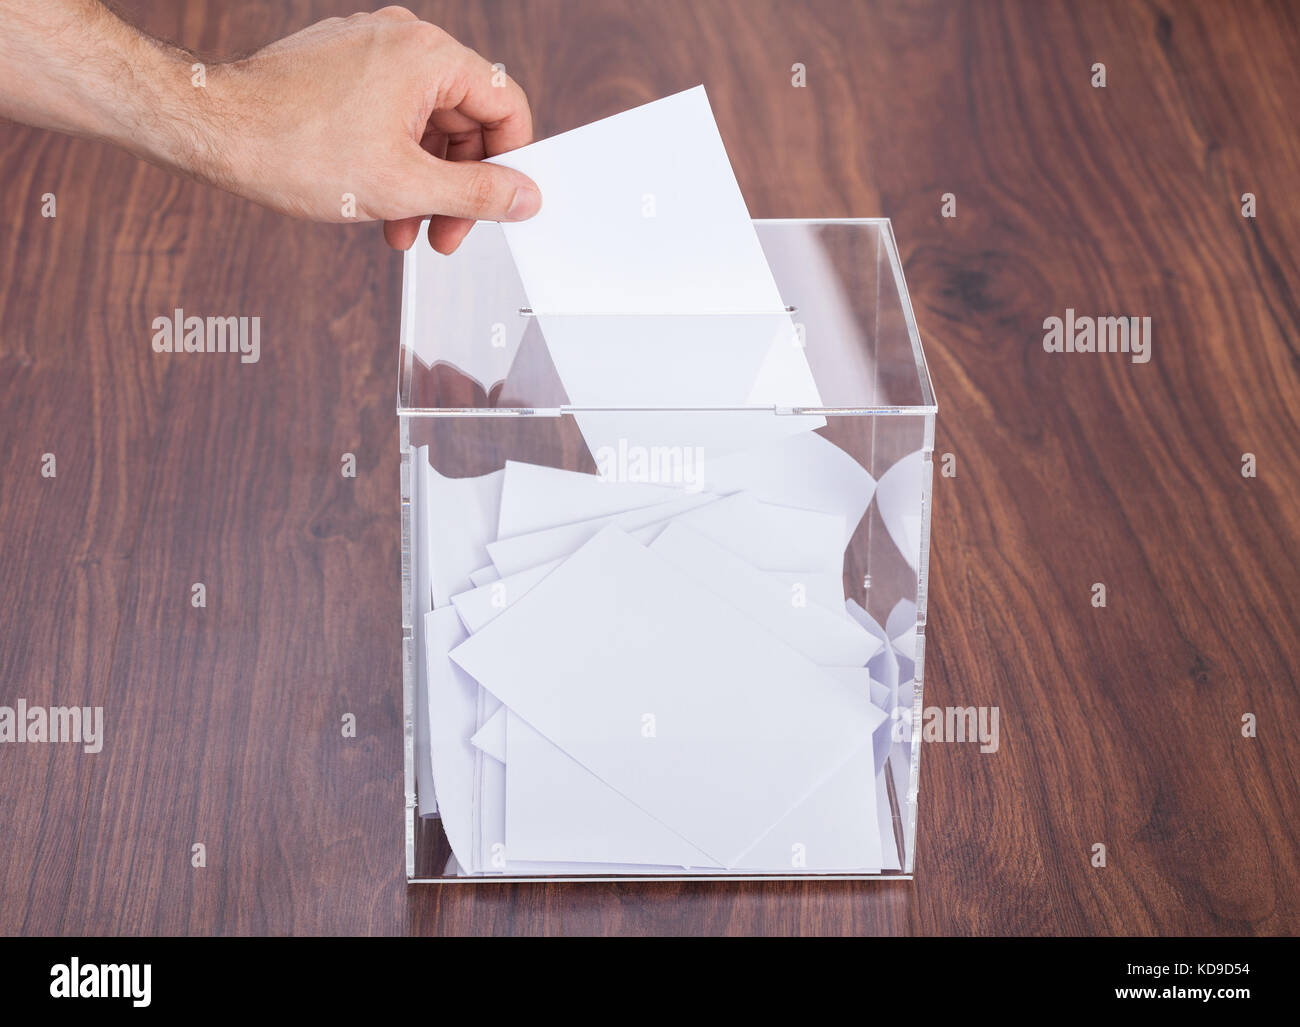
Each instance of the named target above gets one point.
<point>1120,725</point>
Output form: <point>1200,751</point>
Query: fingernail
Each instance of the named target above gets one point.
<point>527,201</point>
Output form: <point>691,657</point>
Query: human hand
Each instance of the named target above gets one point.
<point>384,107</point>
<point>374,117</point>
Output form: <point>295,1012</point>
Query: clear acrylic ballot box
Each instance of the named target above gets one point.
<point>664,576</point>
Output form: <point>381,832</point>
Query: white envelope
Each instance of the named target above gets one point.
<point>478,606</point>
<point>520,552</point>
<point>828,639</point>
<point>836,829</point>
<point>490,854</point>
<point>805,470</point>
<point>490,806</point>
<point>558,811</point>
<point>484,576</point>
<point>825,588</point>
<point>884,671</point>
<point>884,665</point>
<point>491,737</point>
<point>771,537</point>
<point>898,496</point>
<point>900,626</point>
<point>452,718</point>
<point>615,639</point>
<point>462,520</point>
<point>534,498</point>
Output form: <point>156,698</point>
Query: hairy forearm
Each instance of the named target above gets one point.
<point>75,67</point>
<point>373,117</point>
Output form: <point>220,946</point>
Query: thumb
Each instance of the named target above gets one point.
<point>467,189</point>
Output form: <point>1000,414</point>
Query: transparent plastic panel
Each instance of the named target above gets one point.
<point>480,388</point>
<point>471,342</point>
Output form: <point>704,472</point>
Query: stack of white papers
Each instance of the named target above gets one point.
<point>647,680</point>
<point>632,673</point>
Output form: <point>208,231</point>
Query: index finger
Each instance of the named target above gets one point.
<point>492,98</point>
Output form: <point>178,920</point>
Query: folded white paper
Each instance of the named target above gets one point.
<point>901,629</point>
<point>805,470</point>
<point>520,552</point>
<point>615,641</point>
<point>452,718</point>
<point>651,286</point>
<point>558,810</point>
<point>884,670</point>
<point>478,606</point>
<point>898,495</point>
<point>534,498</point>
<point>462,519</point>
<point>641,213</point>
<point>771,537</point>
<point>768,537</point>
<point>491,737</point>
<point>825,588</point>
<point>827,639</point>
<point>483,576</point>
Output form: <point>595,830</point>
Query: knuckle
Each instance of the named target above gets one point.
<point>480,191</point>
<point>426,35</point>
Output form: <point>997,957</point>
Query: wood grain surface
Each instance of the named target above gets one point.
<point>1120,726</point>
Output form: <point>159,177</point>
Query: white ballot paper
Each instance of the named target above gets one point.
<point>745,727</point>
<point>640,213</point>
<point>534,498</point>
<point>826,638</point>
<point>771,537</point>
<point>461,518</point>
<point>558,812</point>
<point>898,495</point>
<point>805,470</point>
<point>650,284</point>
<point>491,737</point>
<point>452,713</point>
<point>521,552</point>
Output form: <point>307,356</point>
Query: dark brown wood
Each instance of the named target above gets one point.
<point>1119,725</point>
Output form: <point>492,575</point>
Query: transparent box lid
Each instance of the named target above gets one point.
<point>470,342</point>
